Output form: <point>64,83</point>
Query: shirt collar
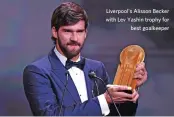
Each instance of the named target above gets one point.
<point>62,58</point>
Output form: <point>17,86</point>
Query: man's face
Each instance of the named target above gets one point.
<point>70,39</point>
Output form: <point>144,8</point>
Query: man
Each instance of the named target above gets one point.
<point>59,84</point>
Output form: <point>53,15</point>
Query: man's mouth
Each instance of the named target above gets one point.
<point>74,44</point>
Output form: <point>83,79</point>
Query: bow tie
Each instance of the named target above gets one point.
<point>79,64</point>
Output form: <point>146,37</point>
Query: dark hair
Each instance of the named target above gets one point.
<point>68,13</point>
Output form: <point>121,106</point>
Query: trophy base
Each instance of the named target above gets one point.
<point>128,91</point>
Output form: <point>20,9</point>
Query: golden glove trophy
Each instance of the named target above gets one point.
<point>129,58</point>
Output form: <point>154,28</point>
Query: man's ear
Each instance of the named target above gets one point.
<point>54,32</point>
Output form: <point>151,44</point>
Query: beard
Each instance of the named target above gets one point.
<point>66,51</point>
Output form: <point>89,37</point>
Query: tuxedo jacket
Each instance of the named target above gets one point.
<point>47,88</point>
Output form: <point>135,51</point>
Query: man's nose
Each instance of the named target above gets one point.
<point>74,36</point>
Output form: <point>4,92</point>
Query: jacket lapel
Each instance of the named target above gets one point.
<point>61,76</point>
<point>89,82</point>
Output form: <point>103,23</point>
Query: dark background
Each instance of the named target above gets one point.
<point>25,36</point>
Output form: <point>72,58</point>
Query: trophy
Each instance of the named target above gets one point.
<point>129,58</point>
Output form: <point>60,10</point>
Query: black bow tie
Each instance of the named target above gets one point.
<point>79,64</point>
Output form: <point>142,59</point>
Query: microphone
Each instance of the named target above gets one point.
<point>63,94</point>
<point>93,75</point>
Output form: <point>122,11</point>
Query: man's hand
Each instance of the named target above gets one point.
<point>140,74</point>
<point>118,94</point>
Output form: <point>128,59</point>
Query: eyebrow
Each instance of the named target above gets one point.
<point>70,30</point>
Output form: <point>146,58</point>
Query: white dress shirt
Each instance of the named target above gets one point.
<point>78,78</point>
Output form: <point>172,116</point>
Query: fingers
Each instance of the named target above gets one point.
<point>118,94</point>
<point>115,88</point>
<point>122,94</point>
<point>121,100</point>
<point>135,96</point>
<point>140,73</point>
<point>129,97</point>
<point>140,66</point>
<point>134,93</point>
<point>140,70</point>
